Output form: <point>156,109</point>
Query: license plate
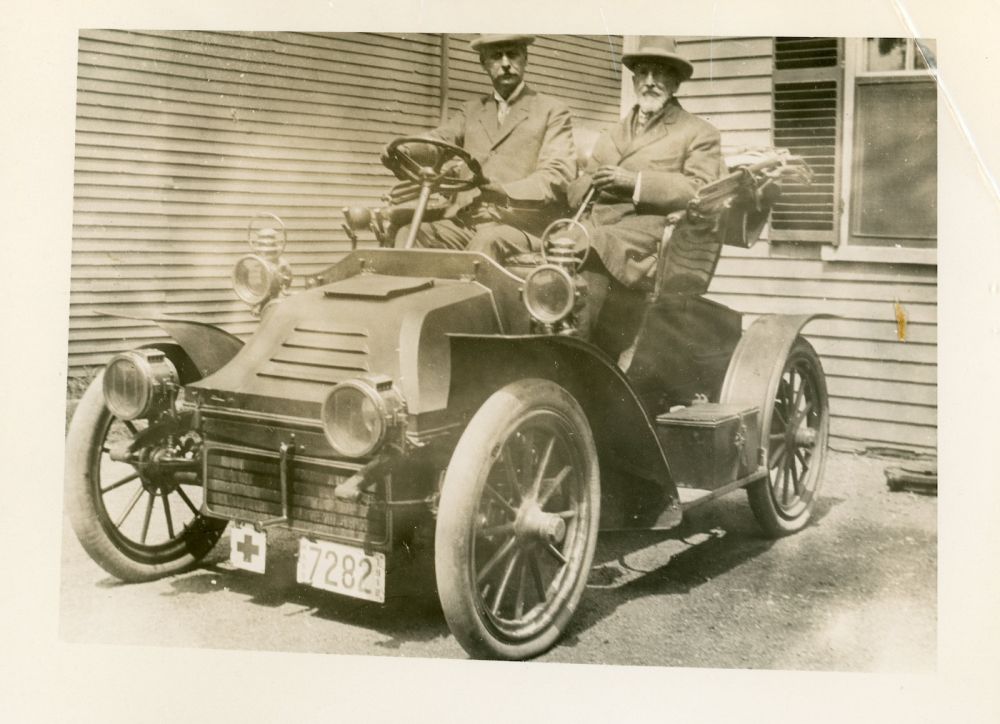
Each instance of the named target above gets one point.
<point>341,569</point>
<point>247,547</point>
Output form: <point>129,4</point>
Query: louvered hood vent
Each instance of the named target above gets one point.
<point>318,351</point>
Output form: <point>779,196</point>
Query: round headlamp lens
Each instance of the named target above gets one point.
<point>253,279</point>
<point>549,294</point>
<point>128,386</point>
<point>139,383</point>
<point>353,419</point>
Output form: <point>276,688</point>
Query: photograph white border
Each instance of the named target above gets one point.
<point>46,680</point>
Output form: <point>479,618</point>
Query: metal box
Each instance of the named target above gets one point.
<point>710,445</point>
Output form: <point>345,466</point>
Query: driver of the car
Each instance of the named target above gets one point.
<point>524,142</point>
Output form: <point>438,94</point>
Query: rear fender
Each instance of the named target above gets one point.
<point>759,358</point>
<point>626,441</point>
<point>208,346</point>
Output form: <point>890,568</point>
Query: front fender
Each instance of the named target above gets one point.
<point>622,431</point>
<point>208,346</point>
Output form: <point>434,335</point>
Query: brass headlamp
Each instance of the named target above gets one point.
<point>263,274</point>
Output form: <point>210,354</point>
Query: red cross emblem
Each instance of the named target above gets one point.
<point>248,548</point>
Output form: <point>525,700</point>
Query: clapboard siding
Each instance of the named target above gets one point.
<point>182,136</point>
<point>731,87</point>
<point>883,390</point>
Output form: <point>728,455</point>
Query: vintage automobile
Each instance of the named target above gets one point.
<point>411,394</point>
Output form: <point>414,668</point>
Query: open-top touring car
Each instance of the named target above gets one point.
<point>410,393</point>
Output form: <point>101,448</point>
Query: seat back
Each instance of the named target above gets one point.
<point>585,139</point>
<point>730,211</point>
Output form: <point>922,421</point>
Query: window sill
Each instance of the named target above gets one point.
<point>877,254</point>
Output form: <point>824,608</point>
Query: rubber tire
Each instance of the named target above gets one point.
<point>460,496</point>
<point>773,521</point>
<point>84,506</point>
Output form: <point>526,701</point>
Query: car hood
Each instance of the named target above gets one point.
<point>368,324</point>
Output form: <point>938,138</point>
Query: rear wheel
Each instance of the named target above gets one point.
<point>517,525</point>
<point>137,525</point>
<point>796,420</point>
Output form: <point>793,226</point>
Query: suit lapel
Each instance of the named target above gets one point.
<point>621,135</point>
<point>488,119</point>
<point>519,111</point>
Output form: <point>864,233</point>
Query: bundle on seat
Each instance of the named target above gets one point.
<point>730,211</point>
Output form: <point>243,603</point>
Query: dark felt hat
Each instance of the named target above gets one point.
<point>659,48</point>
<point>481,41</point>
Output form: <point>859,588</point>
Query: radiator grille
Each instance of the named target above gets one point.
<point>246,486</point>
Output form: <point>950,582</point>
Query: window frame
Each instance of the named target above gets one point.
<point>855,74</point>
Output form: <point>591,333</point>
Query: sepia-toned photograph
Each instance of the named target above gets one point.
<point>592,349</point>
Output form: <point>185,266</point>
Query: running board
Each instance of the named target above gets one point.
<point>692,497</point>
<point>673,514</point>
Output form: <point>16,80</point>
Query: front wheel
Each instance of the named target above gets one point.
<point>137,526</point>
<point>797,422</point>
<point>517,524</point>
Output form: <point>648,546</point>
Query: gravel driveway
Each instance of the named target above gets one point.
<point>855,591</point>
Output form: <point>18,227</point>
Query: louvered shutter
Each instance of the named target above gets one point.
<point>807,121</point>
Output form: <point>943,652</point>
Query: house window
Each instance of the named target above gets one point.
<point>890,148</point>
<point>863,113</point>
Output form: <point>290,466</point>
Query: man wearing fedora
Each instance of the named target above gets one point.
<point>524,143</point>
<point>649,165</point>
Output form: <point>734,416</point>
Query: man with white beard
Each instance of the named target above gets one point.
<point>648,166</point>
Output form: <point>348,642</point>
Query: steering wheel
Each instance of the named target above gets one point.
<point>401,162</point>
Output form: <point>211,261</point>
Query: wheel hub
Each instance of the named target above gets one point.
<point>535,524</point>
<point>799,435</point>
<point>805,437</point>
<point>162,466</point>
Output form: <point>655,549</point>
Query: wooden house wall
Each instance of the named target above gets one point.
<point>883,390</point>
<point>183,136</point>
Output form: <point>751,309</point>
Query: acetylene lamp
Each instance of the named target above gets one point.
<point>553,290</point>
<point>139,384</point>
<point>263,274</point>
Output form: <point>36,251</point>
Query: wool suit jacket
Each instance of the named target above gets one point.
<point>676,155</point>
<point>531,155</point>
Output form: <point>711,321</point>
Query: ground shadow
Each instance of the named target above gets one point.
<point>713,540</point>
<point>411,612</point>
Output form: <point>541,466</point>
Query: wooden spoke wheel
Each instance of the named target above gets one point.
<point>517,525</point>
<point>797,422</point>
<point>138,524</point>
